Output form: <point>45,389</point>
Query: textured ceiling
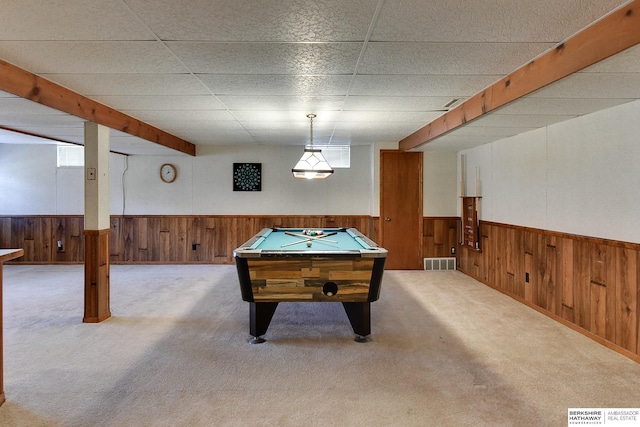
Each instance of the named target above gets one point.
<point>248,72</point>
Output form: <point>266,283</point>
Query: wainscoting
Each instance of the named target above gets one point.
<point>588,284</point>
<point>154,239</point>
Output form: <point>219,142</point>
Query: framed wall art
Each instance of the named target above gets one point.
<point>247,177</point>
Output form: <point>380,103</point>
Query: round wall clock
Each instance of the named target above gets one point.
<point>168,173</point>
<point>247,177</point>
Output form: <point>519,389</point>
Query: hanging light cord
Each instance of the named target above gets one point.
<point>311,116</point>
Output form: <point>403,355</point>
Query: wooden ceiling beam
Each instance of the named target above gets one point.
<point>606,37</point>
<point>27,85</point>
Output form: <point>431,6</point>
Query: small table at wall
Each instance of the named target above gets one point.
<point>5,255</point>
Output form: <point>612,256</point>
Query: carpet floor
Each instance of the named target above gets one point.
<point>446,350</point>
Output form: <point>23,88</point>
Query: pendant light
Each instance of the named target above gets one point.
<point>312,164</point>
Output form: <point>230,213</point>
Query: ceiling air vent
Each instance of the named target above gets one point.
<point>451,103</point>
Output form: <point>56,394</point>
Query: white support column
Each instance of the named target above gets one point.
<point>97,223</point>
<point>96,185</point>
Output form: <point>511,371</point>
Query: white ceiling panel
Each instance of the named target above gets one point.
<point>520,120</point>
<point>398,103</point>
<point>594,85</point>
<point>13,105</point>
<point>248,72</point>
<point>70,20</point>
<point>250,20</point>
<point>486,21</point>
<point>40,120</point>
<point>276,84</point>
<point>456,143</point>
<point>380,118</point>
<point>91,57</point>
<point>454,86</point>
<point>295,117</point>
<point>161,102</point>
<point>131,84</point>
<point>560,106</point>
<point>166,116</point>
<point>268,58</point>
<point>132,145</point>
<point>283,103</point>
<point>627,60</point>
<point>448,58</point>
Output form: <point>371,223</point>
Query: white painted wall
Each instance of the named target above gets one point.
<point>580,176</point>
<point>28,179</point>
<point>31,184</point>
<point>440,196</point>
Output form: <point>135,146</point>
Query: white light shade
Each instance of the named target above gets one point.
<point>312,165</point>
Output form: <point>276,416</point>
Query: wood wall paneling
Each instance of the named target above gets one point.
<point>157,239</point>
<point>589,284</point>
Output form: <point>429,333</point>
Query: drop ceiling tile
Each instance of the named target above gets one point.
<point>159,116</point>
<point>161,102</point>
<point>261,84</point>
<point>490,131</point>
<point>486,21</point>
<point>425,85</point>
<point>91,57</point>
<point>593,85</point>
<point>202,126</point>
<point>251,20</point>
<point>455,143</point>
<point>396,103</point>
<point>520,120</point>
<point>627,61</point>
<point>9,137</point>
<point>218,137</point>
<point>75,132</point>
<point>136,146</point>
<point>40,120</point>
<point>267,58</point>
<point>447,58</point>
<point>20,106</point>
<point>299,103</point>
<point>368,136</point>
<point>131,84</point>
<point>561,106</point>
<point>387,118</point>
<point>296,117</point>
<point>70,20</point>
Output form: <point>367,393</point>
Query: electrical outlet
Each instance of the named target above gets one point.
<point>453,250</point>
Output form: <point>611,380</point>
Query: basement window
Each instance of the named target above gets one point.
<point>70,156</point>
<point>338,156</point>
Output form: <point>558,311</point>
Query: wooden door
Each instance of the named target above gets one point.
<point>401,209</point>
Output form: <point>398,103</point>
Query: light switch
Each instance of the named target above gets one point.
<point>91,174</point>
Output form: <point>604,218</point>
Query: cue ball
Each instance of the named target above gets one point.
<point>308,244</point>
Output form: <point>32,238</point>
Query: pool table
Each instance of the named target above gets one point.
<point>310,265</point>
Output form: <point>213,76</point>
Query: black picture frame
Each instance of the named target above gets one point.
<point>247,177</point>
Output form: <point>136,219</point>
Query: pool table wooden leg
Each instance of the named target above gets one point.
<point>259,319</point>
<point>359,314</point>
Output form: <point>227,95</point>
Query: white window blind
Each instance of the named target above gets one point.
<point>70,155</point>
<point>338,156</point>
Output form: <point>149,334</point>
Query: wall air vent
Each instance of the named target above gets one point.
<point>440,264</point>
